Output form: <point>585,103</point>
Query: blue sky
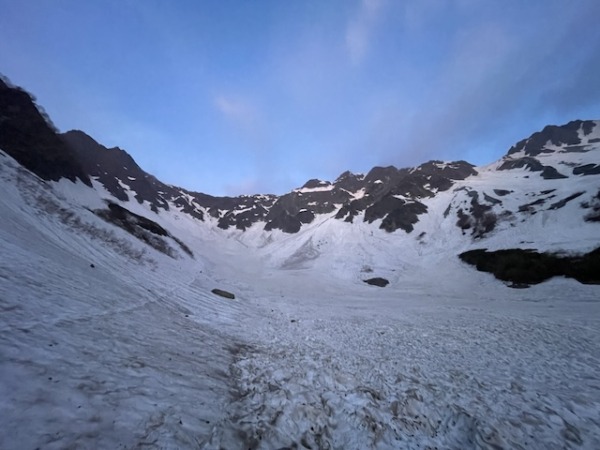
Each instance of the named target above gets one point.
<point>238,97</point>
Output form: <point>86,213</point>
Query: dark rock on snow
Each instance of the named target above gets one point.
<point>377,281</point>
<point>142,228</point>
<point>223,293</point>
<point>525,267</point>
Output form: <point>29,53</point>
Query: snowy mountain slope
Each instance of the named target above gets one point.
<point>496,209</point>
<point>394,199</point>
<point>136,351</point>
<point>501,198</point>
<point>92,357</point>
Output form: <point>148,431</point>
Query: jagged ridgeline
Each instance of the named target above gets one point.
<point>552,177</point>
<point>28,135</point>
<point>391,198</point>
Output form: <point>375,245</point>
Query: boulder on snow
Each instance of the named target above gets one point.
<point>223,293</point>
<point>377,281</point>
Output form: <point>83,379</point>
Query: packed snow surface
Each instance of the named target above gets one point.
<point>136,352</point>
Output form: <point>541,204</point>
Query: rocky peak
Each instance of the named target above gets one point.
<point>350,181</point>
<point>382,175</point>
<point>315,184</point>
<point>456,170</point>
<point>27,135</point>
<point>117,171</point>
<point>556,151</point>
<point>567,136</point>
<point>87,148</point>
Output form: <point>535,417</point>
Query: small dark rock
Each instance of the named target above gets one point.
<point>92,266</point>
<point>377,281</point>
<point>223,293</point>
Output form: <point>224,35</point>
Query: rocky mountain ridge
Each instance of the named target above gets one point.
<point>389,197</point>
<point>27,134</point>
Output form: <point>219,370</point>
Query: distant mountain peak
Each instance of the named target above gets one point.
<point>557,151</point>
<point>569,135</point>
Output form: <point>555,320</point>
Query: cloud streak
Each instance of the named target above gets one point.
<point>498,82</point>
<point>360,29</point>
<point>236,110</point>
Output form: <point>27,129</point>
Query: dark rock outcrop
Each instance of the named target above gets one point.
<point>29,137</point>
<point>523,267</point>
<point>479,218</point>
<point>142,228</point>
<point>587,169</point>
<point>566,135</point>
<point>569,138</point>
<point>116,170</point>
<point>565,200</point>
<point>392,195</point>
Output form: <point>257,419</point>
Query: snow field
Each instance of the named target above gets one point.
<point>129,353</point>
<point>135,352</point>
<point>409,371</point>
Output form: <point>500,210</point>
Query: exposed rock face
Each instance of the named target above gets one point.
<point>385,193</point>
<point>479,218</point>
<point>566,135</point>
<point>142,228</point>
<point>116,170</point>
<point>391,197</point>
<point>28,136</point>
<point>393,194</point>
<point>573,137</point>
<point>587,169</point>
<point>593,207</point>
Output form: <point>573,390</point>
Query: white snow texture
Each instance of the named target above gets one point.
<point>136,352</point>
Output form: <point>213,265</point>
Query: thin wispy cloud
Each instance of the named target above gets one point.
<point>495,79</point>
<point>244,115</point>
<point>236,110</point>
<point>360,29</point>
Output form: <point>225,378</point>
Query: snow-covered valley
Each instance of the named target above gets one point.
<point>107,343</point>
